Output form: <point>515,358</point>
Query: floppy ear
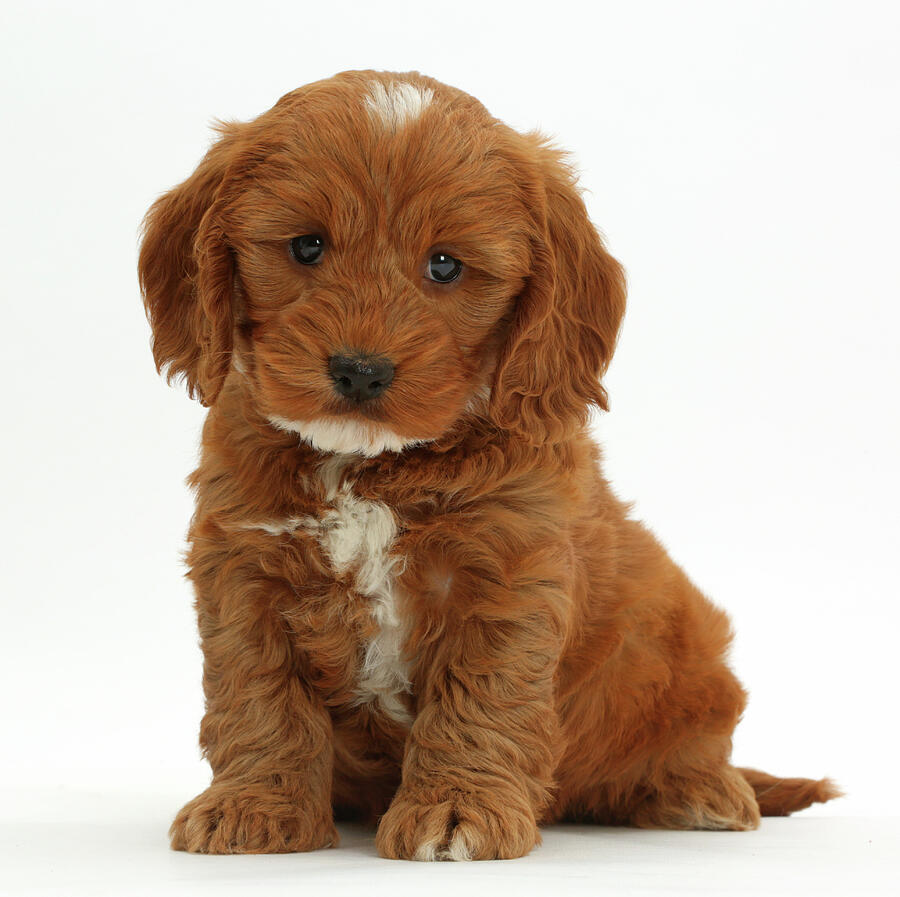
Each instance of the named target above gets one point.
<point>186,273</point>
<point>566,319</point>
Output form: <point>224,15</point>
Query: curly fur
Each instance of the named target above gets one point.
<point>428,610</point>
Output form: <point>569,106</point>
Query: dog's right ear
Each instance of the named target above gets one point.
<point>186,272</point>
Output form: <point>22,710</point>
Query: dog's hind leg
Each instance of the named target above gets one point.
<point>718,799</point>
<point>692,786</point>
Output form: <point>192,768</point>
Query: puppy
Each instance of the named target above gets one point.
<point>419,601</point>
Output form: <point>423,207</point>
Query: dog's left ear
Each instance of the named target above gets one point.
<point>566,319</point>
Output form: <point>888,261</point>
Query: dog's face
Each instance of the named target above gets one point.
<point>375,259</point>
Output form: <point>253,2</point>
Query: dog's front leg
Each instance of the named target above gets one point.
<point>265,733</point>
<point>479,759</point>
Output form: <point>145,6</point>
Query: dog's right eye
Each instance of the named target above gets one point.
<point>307,249</point>
<point>443,268</point>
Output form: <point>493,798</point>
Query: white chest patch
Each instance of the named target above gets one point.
<point>356,536</point>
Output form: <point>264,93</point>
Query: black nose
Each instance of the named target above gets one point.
<point>360,377</point>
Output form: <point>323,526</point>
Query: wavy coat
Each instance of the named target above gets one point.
<point>430,610</point>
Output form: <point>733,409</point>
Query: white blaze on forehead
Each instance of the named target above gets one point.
<point>397,104</point>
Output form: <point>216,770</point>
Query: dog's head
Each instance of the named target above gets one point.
<point>374,259</point>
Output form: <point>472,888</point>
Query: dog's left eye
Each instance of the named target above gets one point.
<point>443,268</point>
<point>307,249</point>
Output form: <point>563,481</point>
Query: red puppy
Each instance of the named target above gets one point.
<point>418,598</point>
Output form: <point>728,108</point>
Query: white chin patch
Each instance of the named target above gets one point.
<point>350,437</point>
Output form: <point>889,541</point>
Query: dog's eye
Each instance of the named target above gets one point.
<point>443,268</point>
<point>307,249</point>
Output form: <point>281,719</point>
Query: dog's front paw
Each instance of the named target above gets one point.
<point>456,826</point>
<point>235,818</point>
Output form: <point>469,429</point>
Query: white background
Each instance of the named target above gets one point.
<point>742,160</point>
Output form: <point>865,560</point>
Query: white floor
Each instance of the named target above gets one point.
<point>75,843</point>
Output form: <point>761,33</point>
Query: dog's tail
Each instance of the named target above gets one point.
<point>781,797</point>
